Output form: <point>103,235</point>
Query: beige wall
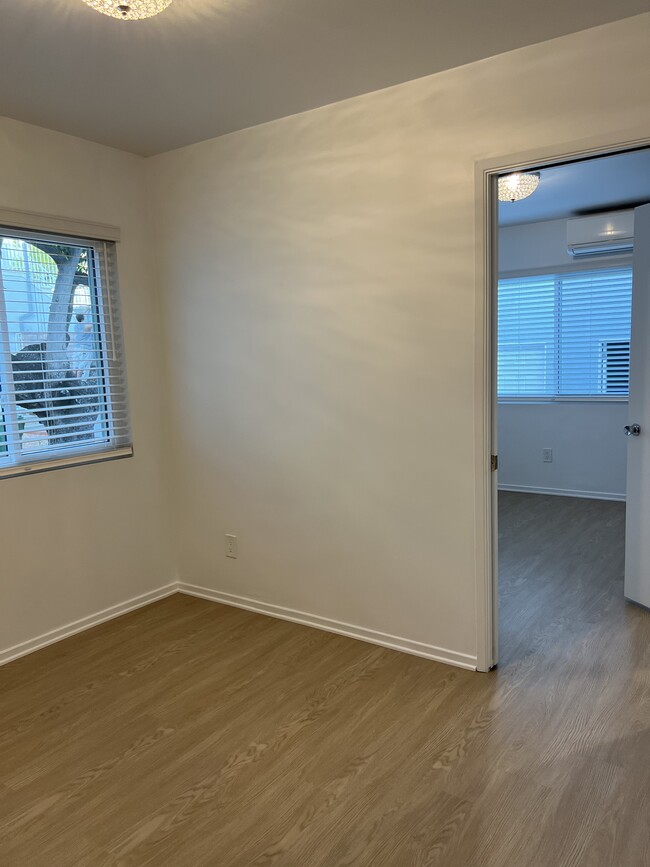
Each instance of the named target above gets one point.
<point>76,541</point>
<point>320,306</point>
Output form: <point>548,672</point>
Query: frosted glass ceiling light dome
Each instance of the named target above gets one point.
<point>517,186</point>
<point>129,10</point>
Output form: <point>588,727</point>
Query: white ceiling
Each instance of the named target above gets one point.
<point>602,184</point>
<point>207,67</point>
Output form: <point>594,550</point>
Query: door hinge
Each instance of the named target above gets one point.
<point>494,462</point>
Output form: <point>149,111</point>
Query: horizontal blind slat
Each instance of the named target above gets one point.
<point>72,398</point>
<point>564,334</point>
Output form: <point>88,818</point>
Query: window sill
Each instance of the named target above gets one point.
<point>44,466</point>
<point>514,401</point>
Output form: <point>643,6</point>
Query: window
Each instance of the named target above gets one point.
<point>565,335</point>
<point>62,381</point>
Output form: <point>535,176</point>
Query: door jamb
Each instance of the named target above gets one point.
<point>486,173</point>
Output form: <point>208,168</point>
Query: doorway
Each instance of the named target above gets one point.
<point>559,319</point>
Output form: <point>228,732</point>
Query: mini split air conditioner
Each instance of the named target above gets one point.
<point>601,235</point>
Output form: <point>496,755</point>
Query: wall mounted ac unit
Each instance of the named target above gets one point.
<point>601,235</point>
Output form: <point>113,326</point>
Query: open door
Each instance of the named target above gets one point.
<point>637,538</point>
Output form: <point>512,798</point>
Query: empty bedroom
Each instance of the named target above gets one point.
<point>322,541</point>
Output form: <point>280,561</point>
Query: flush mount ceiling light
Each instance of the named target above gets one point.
<point>129,10</point>
<point>517,186</point>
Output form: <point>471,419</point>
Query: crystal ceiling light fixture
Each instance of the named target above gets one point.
<point>517,186</point>
<point>129,10</point>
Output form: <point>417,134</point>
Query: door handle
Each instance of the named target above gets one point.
<point>632,430</point>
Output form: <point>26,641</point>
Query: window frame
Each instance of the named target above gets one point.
<point>104,293</point>
<point>614,263</point>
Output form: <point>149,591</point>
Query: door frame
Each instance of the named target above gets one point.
<point>487,230</point>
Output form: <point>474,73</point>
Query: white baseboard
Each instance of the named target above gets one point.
<point>564,492</point>
<point>62,632</point>
<point>406,645</point>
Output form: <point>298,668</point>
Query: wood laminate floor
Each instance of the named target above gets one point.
<point>189,733</point>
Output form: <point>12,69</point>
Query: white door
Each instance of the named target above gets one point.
<point>637,521</point>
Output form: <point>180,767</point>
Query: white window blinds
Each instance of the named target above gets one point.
<point>565,334</point>
<point>63,396</point>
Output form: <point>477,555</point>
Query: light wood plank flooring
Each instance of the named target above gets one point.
<point>189,733</point>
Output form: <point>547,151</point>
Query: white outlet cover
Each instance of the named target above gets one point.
<point>231,546</point>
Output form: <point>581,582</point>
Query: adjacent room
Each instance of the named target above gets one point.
<point>322,542</point>
<point>564,321</point>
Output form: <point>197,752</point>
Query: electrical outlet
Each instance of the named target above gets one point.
<point>231,546</point>
<point>547,456</point>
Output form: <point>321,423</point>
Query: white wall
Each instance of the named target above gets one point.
<point>76,541</point>
<point>320,295</point>
<point>539,246</point>
<point>589,447</point>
